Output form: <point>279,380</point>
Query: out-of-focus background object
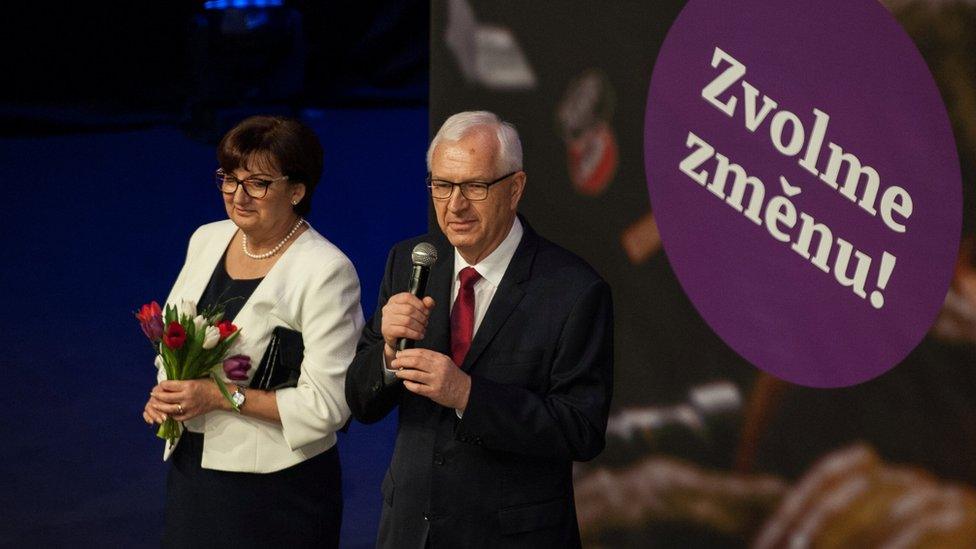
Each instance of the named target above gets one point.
<point>487,55</point>
<point>584,116</point>
<point>615,505</point>
<point>849,498</point>
<point>957,320</point>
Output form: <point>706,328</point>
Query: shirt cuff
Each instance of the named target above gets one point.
<point>459,413</point>
<point>389,376</point>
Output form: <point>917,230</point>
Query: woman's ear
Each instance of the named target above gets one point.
<point>297,193</point>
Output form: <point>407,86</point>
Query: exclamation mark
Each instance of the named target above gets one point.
<point>884,273</point>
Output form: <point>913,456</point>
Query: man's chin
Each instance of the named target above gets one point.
<point>460,240</point>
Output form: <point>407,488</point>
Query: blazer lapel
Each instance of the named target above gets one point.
<point>254,315</point>
<point>201,267</point>
<point>439,287</point>
<point>506,298</point>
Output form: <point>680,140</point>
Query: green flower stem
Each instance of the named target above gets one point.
<point>170,430</point>
<point>223,389</point>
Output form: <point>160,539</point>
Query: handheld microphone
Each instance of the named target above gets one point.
<point>423,257</point>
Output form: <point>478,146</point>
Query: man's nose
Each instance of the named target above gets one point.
<point>457,201</point>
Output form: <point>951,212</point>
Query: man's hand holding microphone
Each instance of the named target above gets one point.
<point>405,315</point>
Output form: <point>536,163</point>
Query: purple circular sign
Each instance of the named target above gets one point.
<point>804,177</point>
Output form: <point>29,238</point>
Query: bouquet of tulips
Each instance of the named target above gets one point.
<point>188,346</point>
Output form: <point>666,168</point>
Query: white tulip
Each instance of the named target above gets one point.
<point>188,308</point>
<point>199,322</point>
<point>211,338</point>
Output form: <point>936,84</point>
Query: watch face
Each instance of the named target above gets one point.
<point>238,398</point>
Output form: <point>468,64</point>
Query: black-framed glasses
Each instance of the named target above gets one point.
<point>255,187</point>
<point>472,190</point>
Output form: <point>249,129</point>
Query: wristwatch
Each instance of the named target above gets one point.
<point>238,397</point>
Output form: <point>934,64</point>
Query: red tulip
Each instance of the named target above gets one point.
<point>226,328</point>
<point>151,321</point>
<point>175,335</point>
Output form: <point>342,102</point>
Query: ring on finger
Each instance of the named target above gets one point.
<point>180,408</point>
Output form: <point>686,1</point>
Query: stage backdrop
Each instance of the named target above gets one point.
<point>703,447</point>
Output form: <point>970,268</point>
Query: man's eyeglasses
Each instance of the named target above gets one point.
<point>255,187</point>
<point>472,190</point>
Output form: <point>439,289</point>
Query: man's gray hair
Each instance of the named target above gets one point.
<point>458,126</point>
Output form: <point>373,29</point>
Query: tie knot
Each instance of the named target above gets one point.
<point>468,277</point>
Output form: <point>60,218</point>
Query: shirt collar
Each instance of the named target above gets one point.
<point>493,267</point>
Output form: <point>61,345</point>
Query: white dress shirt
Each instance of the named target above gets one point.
<point>491,269</point>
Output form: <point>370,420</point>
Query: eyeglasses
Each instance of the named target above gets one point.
<point>472,190</point>
<point>255,187</point>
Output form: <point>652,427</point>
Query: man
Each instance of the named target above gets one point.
<point>511,376</point>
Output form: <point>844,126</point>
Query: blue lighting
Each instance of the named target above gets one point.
<point>256,19</point>
<point>241,4</point>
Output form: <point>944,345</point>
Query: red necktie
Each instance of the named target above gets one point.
<point>462,315</point>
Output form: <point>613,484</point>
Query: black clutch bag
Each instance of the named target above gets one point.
<point>282,361</point>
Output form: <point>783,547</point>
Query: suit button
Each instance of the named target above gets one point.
<point>438,459</point>
<point>427,518</point>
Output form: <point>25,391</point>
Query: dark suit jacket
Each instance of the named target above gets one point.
<point>541,365</point>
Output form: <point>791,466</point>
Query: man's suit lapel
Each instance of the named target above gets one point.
<point>438,336</point>
<point>507,296</point>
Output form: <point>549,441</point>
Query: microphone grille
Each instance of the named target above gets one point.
<point>424,254</point>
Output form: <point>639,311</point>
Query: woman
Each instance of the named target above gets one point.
<point>270,473</point>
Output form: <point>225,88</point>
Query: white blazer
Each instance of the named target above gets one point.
<point>314,289</point>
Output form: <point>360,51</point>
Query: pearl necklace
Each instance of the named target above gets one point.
<point>273,250</point>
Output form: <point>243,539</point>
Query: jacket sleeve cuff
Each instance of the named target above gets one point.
<point>306,417</point>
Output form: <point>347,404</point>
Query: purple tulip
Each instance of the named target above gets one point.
<point>236,367</point>
<point>151,321</point>
<point>154,328</point>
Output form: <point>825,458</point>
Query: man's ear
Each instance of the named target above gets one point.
<point>518,187</point>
